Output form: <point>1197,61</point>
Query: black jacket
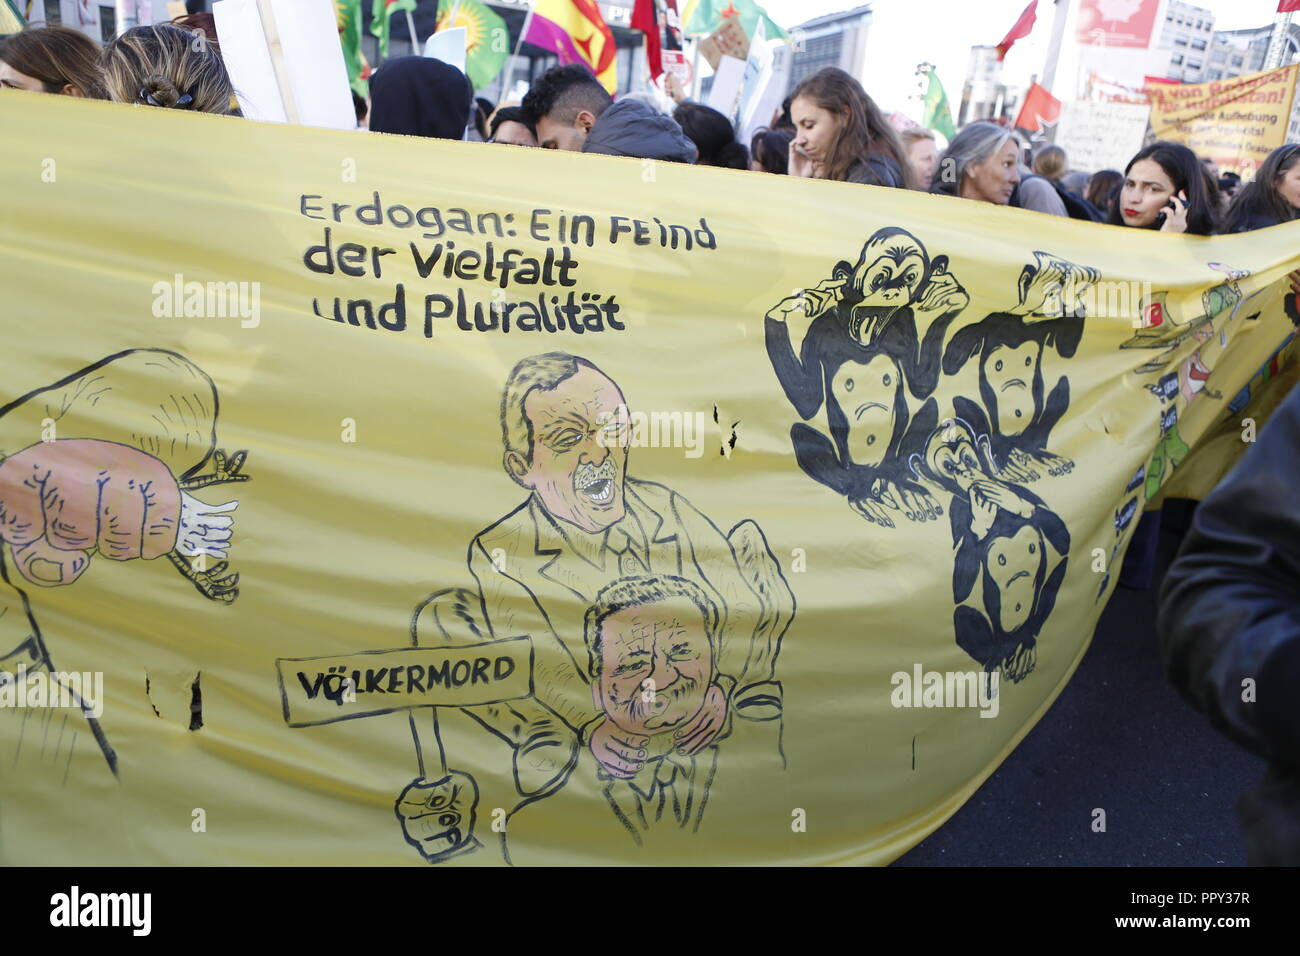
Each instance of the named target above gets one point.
<point>1230,626</point>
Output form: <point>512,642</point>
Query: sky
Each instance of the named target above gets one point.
<point>907,32</point>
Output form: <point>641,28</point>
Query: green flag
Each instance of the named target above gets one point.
<point>487,40</point>
<point>705,16</point>
<point>381,18</point>
<point>351,22</point>
<point>937,115</point>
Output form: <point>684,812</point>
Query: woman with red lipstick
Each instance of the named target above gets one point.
<point>1164,189</point>
<point>841,134</point>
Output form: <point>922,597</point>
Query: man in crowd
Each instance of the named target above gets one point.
<point>572,111</point>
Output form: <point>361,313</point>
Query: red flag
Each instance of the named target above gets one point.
<point>1040,107</point>
<point>1288,6</point>
<point>645,17</point>
<point>1020,30</point>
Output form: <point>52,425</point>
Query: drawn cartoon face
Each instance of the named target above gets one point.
<point>656,665</point>
<point>576,469</point>
<point>1013,563</point>
<point>1009,372</point>
<point>951,457</point>
<point>1053,288</point>
<point>865,392</point>
<point>889,272</point>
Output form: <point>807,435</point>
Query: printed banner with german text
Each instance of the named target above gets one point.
<point>376,500</point>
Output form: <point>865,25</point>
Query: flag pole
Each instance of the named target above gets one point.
<point>1054,49</point>
<point>410,25</point>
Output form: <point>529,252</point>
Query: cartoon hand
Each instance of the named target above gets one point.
<point>944,294</point>
<point>1004,498</point>
<point>918,504</point>
<point>62,501</point>
<point>809,302</point>
<point>705,726</point>
<point>437,816</point>
<point>1055,464</point>
<point>983,511</point>
<point>620,754</point>
<point>876,504</point>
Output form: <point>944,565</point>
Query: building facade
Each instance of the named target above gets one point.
<point>838,39</point>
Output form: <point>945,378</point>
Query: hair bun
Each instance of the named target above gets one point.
<point>159,91</point>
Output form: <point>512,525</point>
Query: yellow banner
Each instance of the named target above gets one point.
<point>1236,122</point>
<point>628,512</point>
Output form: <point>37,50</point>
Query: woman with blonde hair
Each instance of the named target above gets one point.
<point>163,65</point>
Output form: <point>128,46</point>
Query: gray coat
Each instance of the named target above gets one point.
<point>631,128</point>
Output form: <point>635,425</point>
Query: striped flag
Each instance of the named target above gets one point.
<point>575,31</point>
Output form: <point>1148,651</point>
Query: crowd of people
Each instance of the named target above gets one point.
<point>830,128</point>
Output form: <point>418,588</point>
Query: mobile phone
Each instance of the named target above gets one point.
<point>1160,216</point>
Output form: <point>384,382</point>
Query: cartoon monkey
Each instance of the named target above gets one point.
<point>874,304</point>
<point>872,437</point>
<point>861,333</point>
<point>998,530</point>
<point>1018,592</point>
<point>1016,419</point>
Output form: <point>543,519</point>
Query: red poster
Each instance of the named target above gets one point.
<point>1117,23</point>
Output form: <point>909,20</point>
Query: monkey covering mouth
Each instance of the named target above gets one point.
<point>595,482</point>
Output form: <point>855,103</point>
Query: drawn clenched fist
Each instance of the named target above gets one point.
<point>62,501</point>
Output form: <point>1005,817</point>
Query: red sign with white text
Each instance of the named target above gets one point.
<point>1117,23</point>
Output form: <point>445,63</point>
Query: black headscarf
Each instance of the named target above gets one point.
<point>419,96</point>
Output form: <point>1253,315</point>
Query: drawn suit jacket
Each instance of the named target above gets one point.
<point>544,589</point>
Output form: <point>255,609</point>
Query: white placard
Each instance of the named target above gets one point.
<point>448,46</point>
<point>1097,136</point>
<point>248,60</point>
<point>311,62</point>
<point>770,90</point>
<point>724,94</point>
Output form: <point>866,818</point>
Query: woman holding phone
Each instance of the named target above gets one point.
<point>841,134</point>
<point>1163,189</point>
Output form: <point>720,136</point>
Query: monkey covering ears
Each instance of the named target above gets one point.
<point>859,354</point>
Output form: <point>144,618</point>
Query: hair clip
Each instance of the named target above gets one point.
<point>184,102</point>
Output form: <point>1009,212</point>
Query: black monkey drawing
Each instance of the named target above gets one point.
<point>1015,418</point>
<point>1000,534</point>
<point>860,356</point>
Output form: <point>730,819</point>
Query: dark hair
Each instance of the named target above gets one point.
<point>359,106</point>
<point>784,121</point>
<point>1184,171</point>
<point>771,148</point>
<point>563,92</point>
<point>57,56</point>
<point>1258,201</point>
<point>202,24</point>
<point>510,114</point>
<point>1103,186</point>
<point>713,136</point>
<point>863,127</point>
<point>482,110</point>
